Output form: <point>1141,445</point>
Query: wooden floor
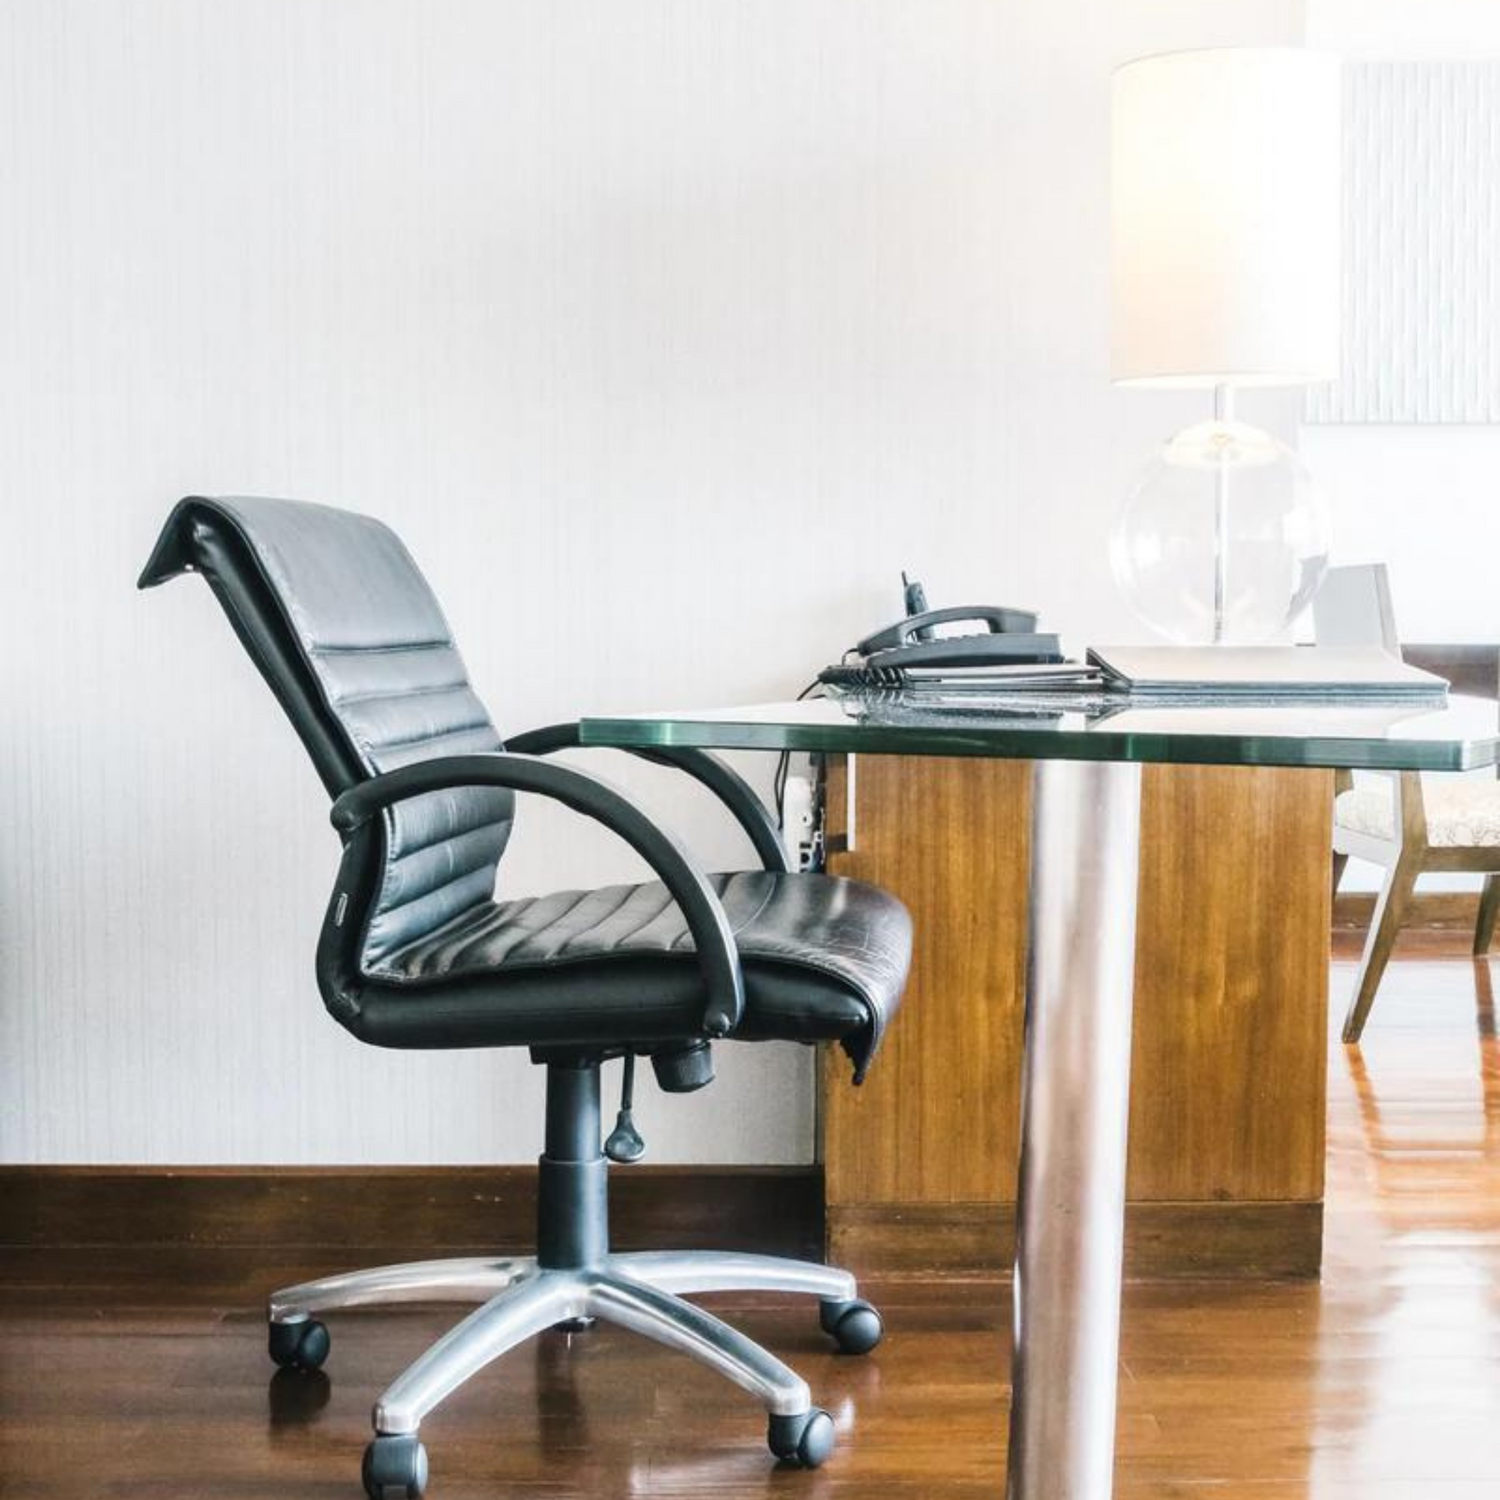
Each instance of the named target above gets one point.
<point>1382,1383</point>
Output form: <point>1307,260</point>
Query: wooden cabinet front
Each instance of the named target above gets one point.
<point>1230,1037</point>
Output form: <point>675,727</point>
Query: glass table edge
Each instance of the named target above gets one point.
<point>1312,753</point>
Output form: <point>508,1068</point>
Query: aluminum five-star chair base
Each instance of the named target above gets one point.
<point>574,1278</point>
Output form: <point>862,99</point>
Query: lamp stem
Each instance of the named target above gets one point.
<point>1223,412</point>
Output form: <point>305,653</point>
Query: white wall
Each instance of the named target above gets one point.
<point>1426,502</point>
<point>667,333</point>
<point>1405,29</point>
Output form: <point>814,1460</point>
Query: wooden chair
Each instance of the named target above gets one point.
<point>1402,821</point>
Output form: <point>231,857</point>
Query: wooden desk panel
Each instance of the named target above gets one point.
<point>951,838</point>
<point>1227,1114</point>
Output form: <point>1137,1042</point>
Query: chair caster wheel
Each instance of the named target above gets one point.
<point>856,1326</point>
<point>805,1440</point>
<point>302,1345</point>
<point>393,1465</point>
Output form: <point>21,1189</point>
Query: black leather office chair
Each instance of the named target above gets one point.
<point>415,951</point>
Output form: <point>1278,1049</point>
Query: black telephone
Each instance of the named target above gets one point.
<point>1009,637</point>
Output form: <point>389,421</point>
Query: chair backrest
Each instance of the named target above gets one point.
<point>346,631</point>
<point>1353,608</point>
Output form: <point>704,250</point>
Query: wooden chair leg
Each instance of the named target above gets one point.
<point>1489,909</point>
<point>1390,911</point>
<point>1339,862</point>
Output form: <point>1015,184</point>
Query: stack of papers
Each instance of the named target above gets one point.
<point>1306,673</point>
<point>1010,677</point>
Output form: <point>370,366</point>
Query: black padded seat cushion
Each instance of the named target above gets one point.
<point>824,958</point>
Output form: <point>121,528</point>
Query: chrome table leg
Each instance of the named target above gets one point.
<point>1075,1093</point>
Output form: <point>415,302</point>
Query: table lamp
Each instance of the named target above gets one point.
<point>1225,212</point>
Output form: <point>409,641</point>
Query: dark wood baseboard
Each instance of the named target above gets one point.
<point>1444,910</point>
<point>411,1211</point>
<point>1252,1241</point>
<point>414,1212</point>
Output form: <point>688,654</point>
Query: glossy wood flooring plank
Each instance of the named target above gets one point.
<point>147,1376</point>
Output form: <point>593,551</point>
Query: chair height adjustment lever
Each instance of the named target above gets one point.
<point>624,1143</point>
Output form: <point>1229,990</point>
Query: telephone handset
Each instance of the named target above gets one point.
<point>1009,637</point>
<point>917,629</point>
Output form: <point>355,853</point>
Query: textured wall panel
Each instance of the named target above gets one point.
<point>1421,340</point>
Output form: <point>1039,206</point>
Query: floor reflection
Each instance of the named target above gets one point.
<point>1408,1393</point>
<point>295,1397</point>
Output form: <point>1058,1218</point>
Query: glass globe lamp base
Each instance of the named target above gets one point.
<point>1223,538</point>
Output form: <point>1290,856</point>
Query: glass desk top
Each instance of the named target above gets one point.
<point>1461,735</point>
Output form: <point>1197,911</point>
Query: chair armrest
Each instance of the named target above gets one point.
<point>586,794</point>
<point>737,795</point>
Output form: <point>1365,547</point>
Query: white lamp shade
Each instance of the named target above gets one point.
<point>1225,218</point>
